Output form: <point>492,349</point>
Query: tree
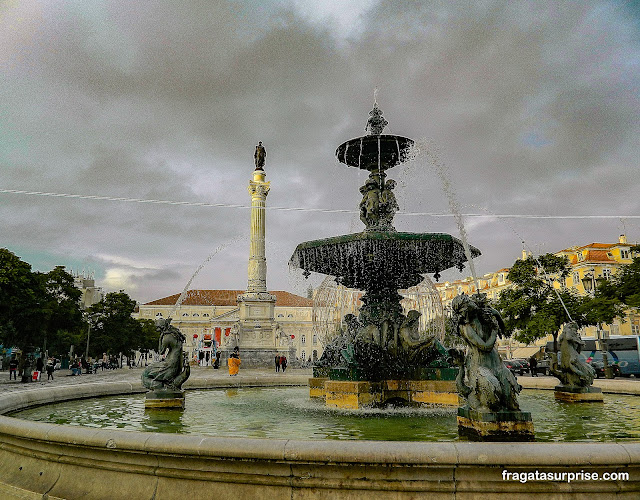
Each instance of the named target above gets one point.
<point>113,329</point>
<point>533,308</point>
<point>61,312</point>
<point>624,287</point>
<point>150,335</point>
<point>22,298</point>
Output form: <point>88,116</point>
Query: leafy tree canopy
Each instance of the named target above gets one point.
<point>624,287</point>
<point>36,308</point>
<point>533,308</point>
<point>114,331</point>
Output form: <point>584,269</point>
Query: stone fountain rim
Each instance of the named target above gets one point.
<point>376,452</point>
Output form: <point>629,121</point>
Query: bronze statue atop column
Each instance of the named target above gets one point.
<point>260,156</point>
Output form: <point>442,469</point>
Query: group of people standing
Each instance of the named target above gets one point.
<point>40,367</point>
<point>281,362</point>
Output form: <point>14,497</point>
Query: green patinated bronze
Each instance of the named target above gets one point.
<point>164,378</point>
<point>382,342</point>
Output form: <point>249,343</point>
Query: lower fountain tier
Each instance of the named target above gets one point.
<point>364,260</point>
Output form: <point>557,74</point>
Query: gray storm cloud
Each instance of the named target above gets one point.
<point>533,106</point>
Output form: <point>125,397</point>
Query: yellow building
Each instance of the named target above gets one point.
<point>592,263</point>
<point>491,283</point>
<point>589,264</point>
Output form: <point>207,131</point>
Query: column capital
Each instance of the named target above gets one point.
<point>259,188</point>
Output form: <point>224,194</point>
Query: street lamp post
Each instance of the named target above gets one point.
<point>589,283</point>
<point>89,317</point>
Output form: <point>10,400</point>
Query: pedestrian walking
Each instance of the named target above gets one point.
<point>277,361</point>
<point>13,367</point>
<point>283,363</point>
<point>533,365</point>
<point>50,369</point>
<point>39,364</point>
<point>234,362</point>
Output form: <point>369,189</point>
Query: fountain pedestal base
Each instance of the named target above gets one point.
<point>316,387</point>
<point>572,394</point>
<point>495,426</point>
<point>164,398</point>
<point>357,394</point>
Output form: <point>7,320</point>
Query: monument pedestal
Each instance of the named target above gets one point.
<point>573,394</point>
<point>495,426</point>
<point>258,357</point>
<point>164,398</point>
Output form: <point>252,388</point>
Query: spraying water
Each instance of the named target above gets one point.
<point>527,247</point>
<point>425,149</point>
<point>183,295</point>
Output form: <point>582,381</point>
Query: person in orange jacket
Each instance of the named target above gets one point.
<point>234,362</point>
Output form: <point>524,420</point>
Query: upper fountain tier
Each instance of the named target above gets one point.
<point>376,151</point>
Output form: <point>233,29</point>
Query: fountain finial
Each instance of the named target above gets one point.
<point>376,122</point>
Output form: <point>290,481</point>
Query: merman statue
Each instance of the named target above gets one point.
<point>571,368</point>
<point>174,370</point>
<point>484,381</point>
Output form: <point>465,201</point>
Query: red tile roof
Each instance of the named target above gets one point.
<point>598,245</point>
<point>598,256</point>
<point>228,298</point>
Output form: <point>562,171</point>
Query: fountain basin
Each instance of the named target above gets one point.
<point>362,260</point>
<point>72,462</point>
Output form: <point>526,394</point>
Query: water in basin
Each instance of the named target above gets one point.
<point>288,413</point>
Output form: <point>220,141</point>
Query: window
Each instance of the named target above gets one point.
<point>576,278</point>
<point>624,254</point>
<point>315,339</point>
<point>280,315</point>
<point>303,339</point>
<point>635,329</point>
<point>185,314</point>
<point>304,356</point>
<point>289,315</point>
<point>195,315</point>
<point>606,273</point>
<point>205,315</point>
<point>500,278</point>
<point>158,315</point>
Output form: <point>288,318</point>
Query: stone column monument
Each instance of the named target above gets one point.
<point>256,333</point>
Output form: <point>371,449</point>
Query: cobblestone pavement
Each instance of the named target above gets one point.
<point>133,375</point>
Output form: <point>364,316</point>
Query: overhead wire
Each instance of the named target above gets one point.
<point>303,209</point>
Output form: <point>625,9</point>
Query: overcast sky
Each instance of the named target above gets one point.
<point>533,108</point>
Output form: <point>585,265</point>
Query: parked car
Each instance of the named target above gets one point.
<point>516,366</point>
<point>543,366</point>
<point>524,363</point>
<point>598,366</point>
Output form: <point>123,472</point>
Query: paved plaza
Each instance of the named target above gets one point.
<point>292,375</point>
<point>133,376</point>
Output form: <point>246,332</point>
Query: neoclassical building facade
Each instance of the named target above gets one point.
<point>205,316</point>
